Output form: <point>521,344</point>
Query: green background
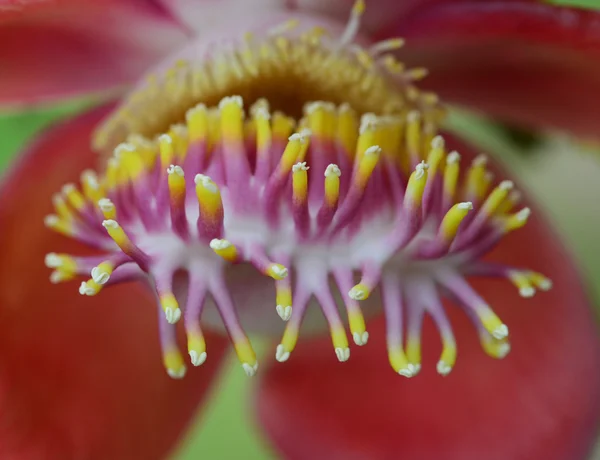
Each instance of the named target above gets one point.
<point>559,160</point>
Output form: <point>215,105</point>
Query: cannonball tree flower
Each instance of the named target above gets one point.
<point>306,154</point>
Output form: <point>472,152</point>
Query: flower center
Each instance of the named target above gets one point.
<point>338,207</point>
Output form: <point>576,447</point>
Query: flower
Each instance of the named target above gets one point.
<point>337,169</point>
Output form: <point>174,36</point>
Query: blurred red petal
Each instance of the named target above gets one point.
<point>523,61</point>
<point>80,378</point>
<point>540,403</point>
<point>63,48</point>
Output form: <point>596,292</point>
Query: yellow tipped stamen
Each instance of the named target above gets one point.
<point>246,355</point>
<point>232,118</point>
<point>477,182</point>
<point>413,351</point>
<point>131,164</point>
<point>540,281</point>
<point>448,357</point>
<point>498,195</point>
<point>263,130</point>
<point>59,225</point>
<point>321,119</point>
<point>515,221</point>
<point>109,211</point>
<point>63,262</point>
<point>174,364</point>
<point>283,299</point>
<point>358,328</point>
<point>196,347</point>
<point>359,292</point>
<point>436,155</point>
<point>170,306</point>
<point>391,44</point>
<point>166,149</point>
<point>176,182</point>
<point>292,151</point>
<point>366,166</point>
<point>276,271</point>
<point>224,249</point>
<point>347,129</point>
<point>59,276</point>
<point>179,135</point>
<point>197,123</point>
<point>91,186</point>
<point>495,348</point>
<point>209,197</point>
<point>522,282</point>
<point>281,125</point>
<point>340,343</point>
<point>332,185</point>
<point>416,185</point>
<point>514,197</point>
<point>413,136</point>
<point>146,149</point>
<point>492,323</point>
<point>368,135</point>
<point>111,179</point>
<point>300,182</point>
<point>288,342</point>
<point>399,361</point>
<point>62,209</point>
<point>358,8</point>
<point>451,173</point>
<point>453,219</point>
<point>89,288</point>
<point>74,197</point>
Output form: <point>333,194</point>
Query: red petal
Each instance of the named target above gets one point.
<point>527,62</point>
<point>60,48</point>
<point>80,378</point>
<point>540,403</point>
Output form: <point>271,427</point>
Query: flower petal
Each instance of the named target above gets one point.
<point>522,61</point>
<point>540,402</point>
<point>80,378</point>
<point>63,48</point>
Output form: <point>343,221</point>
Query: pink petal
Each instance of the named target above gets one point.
<point>80,377</point>
<point>55,49</point>
<point>525,62</point>
<point>540,403</point>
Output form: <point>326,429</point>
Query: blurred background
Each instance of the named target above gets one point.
<point>561,173</point>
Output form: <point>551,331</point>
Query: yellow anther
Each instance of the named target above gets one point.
<point>366,166</point>
<point>495,348</point>
<point>498,195</point>
<point>91,186</point>
<point>283,299</point>
<point>111,178</point>
<point>358,8</point>
<point>263,129</point>
<point>448,357</point>
<point>300,182</point>
<point>453,219</point>
<point>166,149</point>
<point>357,326</point>
<point>63,262</point>
<point>101,273</point>
<point>347,129</point>
<point>436,155</point>
<point>413,351</point>
<point>332,184</point>
<point>174,364</point>
<point>179,135</point>
<point>451,175</point>
<point>476,182</point>
<point>399,362</point>
<point>146,149</point>
<point>391,44</point>
<point>413,135</point>
<point>364,58</point>
<point>416,185</point>
<point>492,323</point>
<point>359,292</point>
<point>89,288</point>
<point>282,126</point>
<point>59,276</point>
<point>368,135</point>
<point>224,249</point>
<point>176,182</point>
<point>522,282</point>
<point>209,196</point>
<point>61,208</point>
<point>59,225</point>
<point>246,355</point>
<point>117,234</point>
<point>540,281</point>
<point>232,118</point>
<point>74,197</point>
<point>418,73</point>
<point>516,220</point>
<point>321,119</point>
<point>288,341</point>
<point>108,208</point>
<point>170,306</point>
<point>292,152</point>
<point>340,343</point>
<point>197,123</point>
<point>196,347</point>
<point>276,271</point>
<point>514,197</point>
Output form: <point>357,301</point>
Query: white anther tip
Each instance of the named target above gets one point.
<point>250,370</point>
<point>406,372</point>
<point>51,260</point>
<point>84,289</point>
<point>281,272</point>
<point>413,115</point>
<point>527,292</point>
<point>506,185</point>
<point>503,350</point>
<point>285,313</point>
<point>524,214</point>
<point>110,223</point>
<point>438,142</point>
<point>480,160</point>
<point>334,170</point>
<point>501,332</point>
<point>465,205</point>
<point>177,374</point>
<point>373,150</point>
<point>453,157</point>
<point>172,315</point>
<point>51,220</point>
<point>443,368</point>
<point>300,167</point>
<point>281,355</point>
<point>174,169</point>
<point>356,294</point>
<point>165,138</point>
<point>343,354</point>
<point>217,244</point>
<point>360,339</point>
<point>414,368</point>
<point>196,358</point>
<point>237,100</point>
<point>99,277</point>
<point>106,205</point>
<point>545,284</point>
